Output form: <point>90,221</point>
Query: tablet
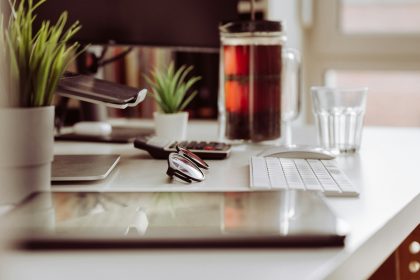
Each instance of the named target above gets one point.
<point>94,220</point>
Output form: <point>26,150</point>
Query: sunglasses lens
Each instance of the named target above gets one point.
<point>185,167</point>
<point>193,157</point>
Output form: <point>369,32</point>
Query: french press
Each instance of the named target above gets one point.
<point>259,81</point>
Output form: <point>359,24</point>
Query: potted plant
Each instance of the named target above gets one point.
<point>169,89</point>
<point>31,64</point>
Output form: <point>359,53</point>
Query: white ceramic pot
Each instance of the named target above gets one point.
<point>171,126</point>
<point>26,151</point>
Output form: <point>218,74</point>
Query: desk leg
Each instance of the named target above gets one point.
<point>404,263</point>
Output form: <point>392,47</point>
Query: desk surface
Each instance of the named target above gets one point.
<point>385,171</point>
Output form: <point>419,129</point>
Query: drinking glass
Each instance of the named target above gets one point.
<point>339,114</point>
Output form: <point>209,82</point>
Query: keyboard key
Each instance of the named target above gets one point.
<point>209,148</point>
<point>200,145</point>
<point>308,176</point>
<point>275,173</point>
<point>340,178</point>
<point>259,175</point>
<point>292,175</point>
<point>191,145</point>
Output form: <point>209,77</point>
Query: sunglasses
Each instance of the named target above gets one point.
<point>186,165</point>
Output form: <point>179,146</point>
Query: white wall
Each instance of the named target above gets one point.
<point>287,11</point>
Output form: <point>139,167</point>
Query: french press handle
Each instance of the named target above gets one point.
<point>291,88</point>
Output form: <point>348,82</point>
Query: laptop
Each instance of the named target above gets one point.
<point>127,220</point>
<point>74,168</point>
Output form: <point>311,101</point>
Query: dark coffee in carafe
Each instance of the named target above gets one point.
<point>252,87</point>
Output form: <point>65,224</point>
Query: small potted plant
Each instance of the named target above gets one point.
<point>169,88</point>
<point>31,64</point>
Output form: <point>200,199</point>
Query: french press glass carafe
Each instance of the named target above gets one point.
<point>259,81</point>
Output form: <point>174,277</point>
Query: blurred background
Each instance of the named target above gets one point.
<point>372,43</point>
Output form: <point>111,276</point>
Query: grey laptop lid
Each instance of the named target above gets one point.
<point>82,167</point>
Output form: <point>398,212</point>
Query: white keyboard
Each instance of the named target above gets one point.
<point>299,174</point>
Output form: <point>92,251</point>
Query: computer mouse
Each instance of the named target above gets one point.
<point>301,152</point>
<point>92,128</point>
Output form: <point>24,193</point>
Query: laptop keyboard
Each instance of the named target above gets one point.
<point>300,174</point>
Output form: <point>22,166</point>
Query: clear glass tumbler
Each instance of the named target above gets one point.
<point>339,115</point>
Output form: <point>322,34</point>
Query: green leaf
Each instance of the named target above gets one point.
<point>174,81</point>
<point>187,100</point>
<point>184,75</point>
<point>186,87</point>
<point>191,82</point>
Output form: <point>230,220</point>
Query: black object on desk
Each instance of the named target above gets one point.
<point>129,220</point>
<point>161,148</point>
<point>93,90</point>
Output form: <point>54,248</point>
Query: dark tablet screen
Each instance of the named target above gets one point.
<point>73,220</point>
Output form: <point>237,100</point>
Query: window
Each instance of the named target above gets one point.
<point>393,98</point>
<point>380,17</point>
<point>372,43</point>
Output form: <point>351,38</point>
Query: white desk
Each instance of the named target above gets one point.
<point>386,171</point>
